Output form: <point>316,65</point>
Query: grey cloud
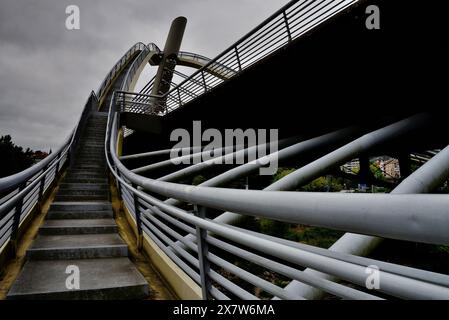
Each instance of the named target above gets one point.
<point>47,72</point>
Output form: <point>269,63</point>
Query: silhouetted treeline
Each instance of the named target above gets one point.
<point>12,157</point>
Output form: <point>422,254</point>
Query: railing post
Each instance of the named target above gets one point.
<point>203,251</point>
<point>138,219</point>
<point>119,191</point>
<point>179,96</point>
<point>238,58</point>
<point>204,81</point>
<point>123,95</point>
<point>287,26</point>
<point>16,223</point>
<point>58,162</point>
<point>41,190</point>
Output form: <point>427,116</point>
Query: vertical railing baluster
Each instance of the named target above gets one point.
<point>41,188</point>
<point>16,222</point>
<point>119,192</point>
<point>287,26</point>
<point>203,251</point>
<point>138,219</point>
<point>238,58</point>
<point>179,96</point>
<point>204,81</point>
<point>58,163</point>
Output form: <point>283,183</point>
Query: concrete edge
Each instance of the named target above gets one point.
<point>183,286</point>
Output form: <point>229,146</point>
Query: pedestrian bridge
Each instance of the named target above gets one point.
<point>116,165</point>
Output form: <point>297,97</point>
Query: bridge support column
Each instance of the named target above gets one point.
<point>404,165</point>
<point>164,74</point>
<point>365,174</point>
<point>16,224</point>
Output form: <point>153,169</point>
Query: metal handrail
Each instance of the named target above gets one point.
<point>138,47</point>
<point>134,190</point>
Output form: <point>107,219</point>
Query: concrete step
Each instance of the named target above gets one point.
<point>96,121</point>
<point>112,278</point>
<point>80,246</point>
<point>80,210</point>
<point>80,206</point>
<point>93,133</point>
<point>99,128</point>
<point>84,186</point>
<point>88,191</point>
<point>78,226</point>
<point>91,146</point>
<point>94,145</point>
<point>93,159</point>
<point>81,197</point>
<point>95,127</point>
<point>87,147</point>
<point>92,137</point>
<point>89,165</point>
<point>102,119</point>
<point>99,153</point>
<point>99,214</point>
<point>85,172</point>
<point>86,179</point>
<point>90,154</point>
<point>89,159</point>
<point>91,142</point>
<point>74,171</point>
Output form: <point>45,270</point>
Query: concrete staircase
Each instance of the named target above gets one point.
<point>80,231</point>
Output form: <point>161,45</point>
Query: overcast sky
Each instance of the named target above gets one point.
<point>47,71</point>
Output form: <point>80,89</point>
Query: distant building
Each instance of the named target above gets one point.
<point>352,166</point>
<point>389,167</point>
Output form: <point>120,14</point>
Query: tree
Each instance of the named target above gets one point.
<point>13,158</point>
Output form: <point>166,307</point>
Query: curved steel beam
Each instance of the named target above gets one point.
<point>425,179</point>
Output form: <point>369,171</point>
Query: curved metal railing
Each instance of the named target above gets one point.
<point>118,66</point>
<point>183,235</point>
